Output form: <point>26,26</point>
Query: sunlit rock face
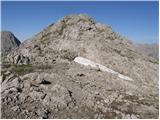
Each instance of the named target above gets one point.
<point>48,75</point>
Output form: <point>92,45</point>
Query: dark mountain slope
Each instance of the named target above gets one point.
<point>8,41</point>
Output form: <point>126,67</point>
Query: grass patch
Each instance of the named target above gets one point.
<point>154,61</point>
<point>22,69</point>
<point>5,65</point>
<point>42,67</point>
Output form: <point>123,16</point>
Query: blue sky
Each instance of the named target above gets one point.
<point>138,21</point>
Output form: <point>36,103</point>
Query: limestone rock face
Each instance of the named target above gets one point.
<point>8,41</point>
<point>17,59</point>
<point>74,34</point>
<point>80,35</point>
<point>58,87</point>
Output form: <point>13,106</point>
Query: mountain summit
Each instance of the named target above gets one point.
<point>77,68</point>
<point>76,34</point>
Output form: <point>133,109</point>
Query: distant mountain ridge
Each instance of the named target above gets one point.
<point>8,41</point>
<point>151,50</point>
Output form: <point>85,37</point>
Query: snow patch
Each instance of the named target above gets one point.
<point>87,62</point>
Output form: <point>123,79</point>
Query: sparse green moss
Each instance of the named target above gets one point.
<point>155,61</point>
<point>62,27</point>
<point>22,69</point>
<point>6,65</point>
<point>43,67</point>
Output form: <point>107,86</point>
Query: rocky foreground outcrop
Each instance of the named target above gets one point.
<point>8,41</point>
<point>52,85</point>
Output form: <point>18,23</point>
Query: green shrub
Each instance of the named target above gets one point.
<point>154,61</point>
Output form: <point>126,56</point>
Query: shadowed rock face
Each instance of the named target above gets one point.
<point>53,85</point>
<point>8,41</point>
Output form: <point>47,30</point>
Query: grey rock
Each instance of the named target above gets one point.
<point>18,59</point>
<point>16,108</point>
<point>43,114</point>
<point>77,91</point>
<point>8,41</point>
<point>37,95</point>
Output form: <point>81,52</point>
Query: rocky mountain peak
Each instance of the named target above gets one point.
<point>73,27</point>
<point>73,19</point>
<point>77,68</point>
<point>8,41</point>
<point>71,36</point>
